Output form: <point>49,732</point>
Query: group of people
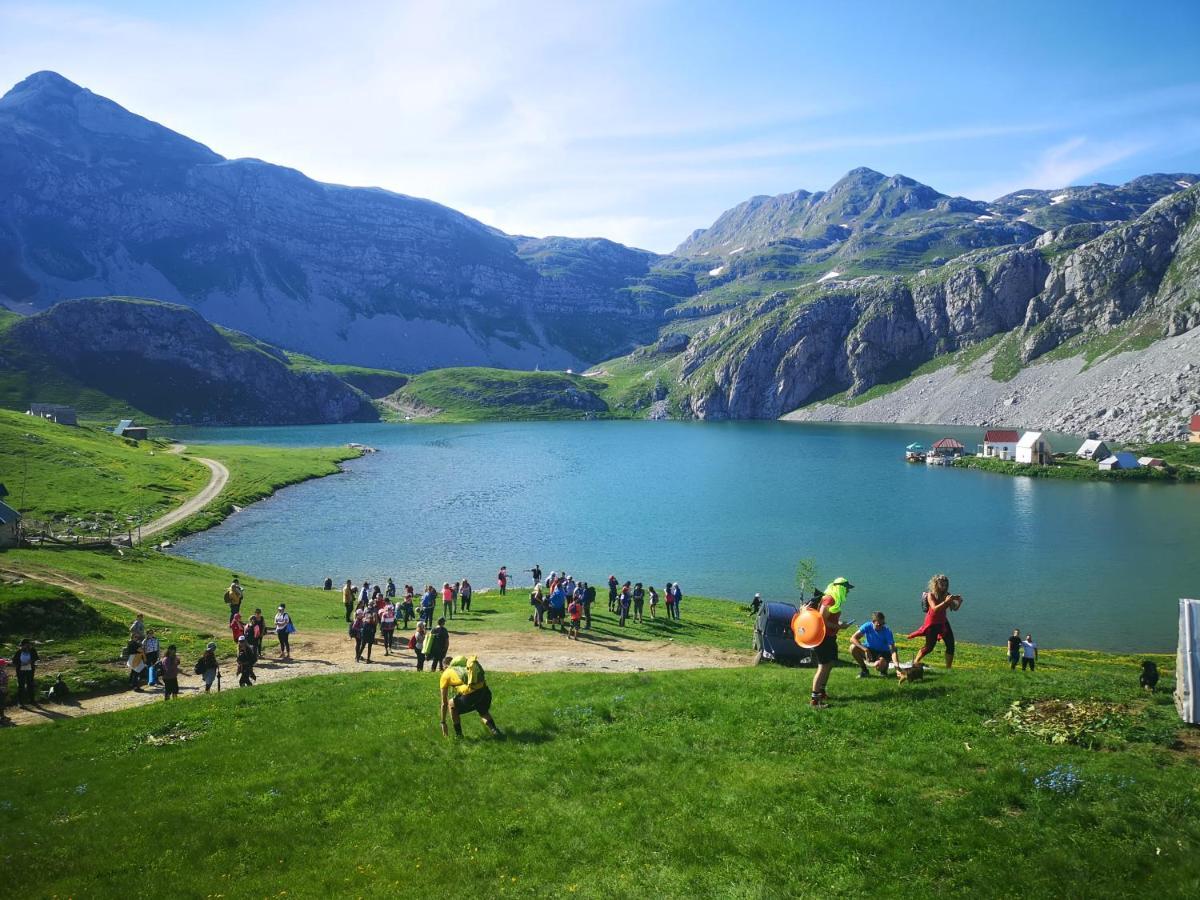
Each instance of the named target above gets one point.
<point>360,601</point>
<point>565,603</point>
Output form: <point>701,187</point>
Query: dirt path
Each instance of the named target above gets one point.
<point>332,653</point>
<point>216,484</point>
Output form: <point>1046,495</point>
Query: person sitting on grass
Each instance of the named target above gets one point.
<point>827,651</point>
<point>464,677</point>
<point>937,601</point>
<point>874,645</point>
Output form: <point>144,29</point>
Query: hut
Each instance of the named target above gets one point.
<point>1093,448</point>
<point>1122,459</point>
<point>999,443</point>
<point>10,525</point>
<point>1151,462</point>
<point>126,428</point>
<point>55,412</point>
<point>1033,449</point>
<point>948,447</point>
<point>1194,430</point>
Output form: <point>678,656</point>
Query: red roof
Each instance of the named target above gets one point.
<point>947,444</point>
<point>1195,423</point>
<point>1001,437</point>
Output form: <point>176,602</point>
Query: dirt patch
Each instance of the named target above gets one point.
<point>1081,722</point>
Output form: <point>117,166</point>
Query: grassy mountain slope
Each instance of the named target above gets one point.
<point>475,394</point>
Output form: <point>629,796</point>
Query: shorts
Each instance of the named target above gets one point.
<point>876,655</point>
<point>479,701</point>
<point>827,650</point>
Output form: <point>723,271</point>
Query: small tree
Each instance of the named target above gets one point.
<point>806,577</point>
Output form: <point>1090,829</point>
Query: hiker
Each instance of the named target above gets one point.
<point>623,601</point>
<point>539,606</point>
<point>756,604</point>
<point>575,612</point>
<point>406,606</point>
<point>236,627</point>
<point>137,630</point>
<point>937,601</point>
<point>557,606</point>
<point>246,658</point>
<point>471,694</point>
<point>536,572</point>
<point>1029,652</point>
<point>639,600</point>
<point>234,596</point>
<point>136,663</point>
<point>827,651</point>
<point>328,585</point>
<point>170,673</point>
<point>390,590</point>
<point>677,601</point>
<point>416,643</point>
<point>256,629</point>
<point>613,584</point>
<point>589,597</point>
<point>465,592</point>
<point>283,631</point>
<point>207,665</point>
<point>1014,649</point>
<point>502,580</point>
<point>366,634</point>
<point>653,601</point>
<point>387,624</point>
<point>364,595</point>
<point>873,644</point>
<point>437,645</point>
<point>150,648</point>
<point>348,598</point>
<point>25,662</point>
<point>427,601</point>
<point>669,600</point>
<point>447,600</point>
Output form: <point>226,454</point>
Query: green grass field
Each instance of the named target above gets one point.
<point>705,783</point>
<point>1073,469</point>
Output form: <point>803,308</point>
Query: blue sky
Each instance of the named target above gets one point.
<point>641,121</point>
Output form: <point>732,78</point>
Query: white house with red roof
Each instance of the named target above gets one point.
<point>1000,443</point>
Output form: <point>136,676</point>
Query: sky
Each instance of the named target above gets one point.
<point>642,121</point>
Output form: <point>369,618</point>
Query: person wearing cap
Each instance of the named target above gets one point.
<point>25,663</point>
<point>283,629</point>
<point>3,688</point>
<point>756,604</point>
<point>207,666</point>
<point>827,651</point>
<point>874,645</point>
<point>246,658</point>
<point>464,676</point>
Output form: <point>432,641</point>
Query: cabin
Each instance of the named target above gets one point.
<point>1151,462</point>
<point>1094,449</point>
<point>1122,459</point>
<point>126,428</point>
<point>10,525</point>
<point>1033,449</point>
<point>999,443</point>
<point>947,447</point>
<point>55,412</point>
<point>1194,430</point>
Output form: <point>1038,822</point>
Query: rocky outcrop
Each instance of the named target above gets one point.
<point>165,360</point>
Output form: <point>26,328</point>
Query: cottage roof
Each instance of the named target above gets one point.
<point>1122,459</point>
<point>1089,447</point>
<point>947,444</point>
<point>1029,439</point>
<point>8,515</point>
<point>1000,436</point>
<point>122,425</point>
<point>1195,425</point>
<point>1150,461</point>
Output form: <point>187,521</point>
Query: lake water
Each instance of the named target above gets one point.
<point>728,509</point>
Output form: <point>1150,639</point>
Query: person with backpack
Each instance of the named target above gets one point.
<point>427,601</point>
<point>437,645</point>
<point>669,600</point>
<point>387,625</point>
<point>366,633</point>
<point>465,592</point>
<point>348,599</point>
<point>390,590</point>
<point>207,666</point>
<point>539,606</point>
<point>406,606</point>
<point>170,673</point>
<point>283,631</point>
<point>826,652</point>
<point>234,596</point>
<point>589,597</point>
<point>557,606</point>
<point>256,628</point>
<point>653,601</point>
<point>246,658</point>
<point>502,580</point>
<point>613,584</point>
<point>464,677</point>
<point>575,613</point>
<point>639,600</point>
<point>416,643</point>
<point>937,602</point>
<point>25,662</point>
<point>135,661</point>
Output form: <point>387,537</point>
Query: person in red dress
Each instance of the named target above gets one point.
<point>937,602</point>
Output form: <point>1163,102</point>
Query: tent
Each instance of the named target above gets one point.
<point>1187,666</point>
<point>773,638</point>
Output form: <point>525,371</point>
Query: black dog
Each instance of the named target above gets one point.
<point>1149,677</point>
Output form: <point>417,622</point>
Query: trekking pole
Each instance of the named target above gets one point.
<point>218,679</point>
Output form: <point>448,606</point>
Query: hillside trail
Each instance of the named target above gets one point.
<point>332,653</point>
<point>218,478</point>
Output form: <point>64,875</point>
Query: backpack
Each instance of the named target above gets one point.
<point>474,671</point>
<point>428,648</point>
<point>198,668</point>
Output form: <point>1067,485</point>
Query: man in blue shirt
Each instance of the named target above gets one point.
<point>874,645</point>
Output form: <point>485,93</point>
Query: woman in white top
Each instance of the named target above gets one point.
<point>283,627</point>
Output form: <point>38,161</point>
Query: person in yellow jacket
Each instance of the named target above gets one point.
<point>464,690</point>
<point>827,651</point>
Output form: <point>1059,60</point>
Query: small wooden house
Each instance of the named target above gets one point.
<point>1194,430</point>
<point>1093,448</point>
<point>1034,449</point>
<point>55,412</point>
<point>1122,459</point>
<point>1000,443</point>
<point>1151,462</point>
<point>126,428</point>
<point>10,525</point>
<point>948,447</point>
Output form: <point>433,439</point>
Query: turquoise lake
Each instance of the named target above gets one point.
<point>728,509</point>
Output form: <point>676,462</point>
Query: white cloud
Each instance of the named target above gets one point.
<point>1064,164</point>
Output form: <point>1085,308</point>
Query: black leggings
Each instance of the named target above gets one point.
<point>284,646</point>
<point>947,635</point>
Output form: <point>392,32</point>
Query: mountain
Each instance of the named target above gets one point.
<point>98,200</point>
<point>119,356</point>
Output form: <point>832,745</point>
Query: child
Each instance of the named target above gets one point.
<point>170,673</point>
<point>576,612</point>
<point>1029,660</point>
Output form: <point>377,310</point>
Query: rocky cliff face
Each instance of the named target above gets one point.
<point>167,361</point>
<point>101,201</point>
<point>1139,280</point>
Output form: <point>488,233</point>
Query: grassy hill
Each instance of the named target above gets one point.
<point>467,394</point>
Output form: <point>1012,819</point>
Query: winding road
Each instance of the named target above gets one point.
<point>216,483</point>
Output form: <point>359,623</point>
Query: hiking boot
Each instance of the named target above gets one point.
<point>818,703</point>
<point>863,673</point>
